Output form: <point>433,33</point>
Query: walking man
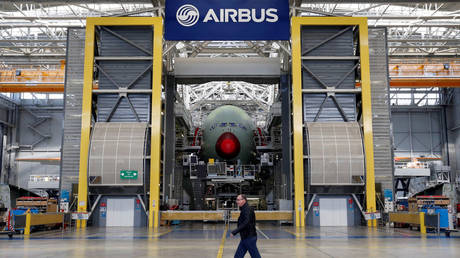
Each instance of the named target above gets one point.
<point>247,229</point>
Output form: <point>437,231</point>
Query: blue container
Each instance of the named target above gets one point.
<point>22,211</point>
<point>443,215</point>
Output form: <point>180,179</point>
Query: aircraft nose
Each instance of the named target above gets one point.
<point>228,146</point>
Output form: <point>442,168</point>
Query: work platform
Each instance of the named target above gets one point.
<point>206,240</point>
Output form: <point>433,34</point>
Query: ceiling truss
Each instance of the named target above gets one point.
<point>255,99</point>
<point>423,29</point>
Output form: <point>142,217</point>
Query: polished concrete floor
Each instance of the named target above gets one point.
<point>207,240</point>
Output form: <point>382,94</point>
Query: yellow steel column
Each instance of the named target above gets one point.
<point>28,220</point>
<point>297,105</point>
<point>422,223</point>
<point>157,23</point>
<point>86,120</point>
<point>297,123</point>
<point>367,117</point>
<point>154,208</point>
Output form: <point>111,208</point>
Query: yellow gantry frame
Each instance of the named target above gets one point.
<point>157,23</point>
<point>297,23</point>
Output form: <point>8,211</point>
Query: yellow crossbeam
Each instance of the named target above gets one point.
<point>266,215</point>
<point>192,215</point>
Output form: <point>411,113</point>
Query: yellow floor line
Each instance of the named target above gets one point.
<point>293,233</point>
<point>222,242</point>
<point>163,233</point>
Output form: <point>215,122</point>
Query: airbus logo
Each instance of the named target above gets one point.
<point>187,15</point>
<point>242,15</point>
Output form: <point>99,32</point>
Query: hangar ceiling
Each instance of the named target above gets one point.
<point>37,29</point>
<point>33,33</point>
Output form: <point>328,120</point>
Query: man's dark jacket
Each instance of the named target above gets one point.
<point>246,222</point>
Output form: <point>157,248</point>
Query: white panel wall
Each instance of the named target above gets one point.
<point>120,212</point>
<point>333,212</point>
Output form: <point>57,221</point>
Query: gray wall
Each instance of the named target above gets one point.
<point>52,126</point>
<point>381,125</point>
<point>453,131</point>
<point>417,132</point>
<point>34,155</point>
<point>70,158</point>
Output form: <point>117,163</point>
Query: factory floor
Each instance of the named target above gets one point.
<point>207,240</point>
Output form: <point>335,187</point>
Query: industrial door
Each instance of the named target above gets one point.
<point>120,212</point>
<point>333,212</point>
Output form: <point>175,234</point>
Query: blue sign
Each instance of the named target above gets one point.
<point>388,194</point>
<point>227,20</point>
<point>65,196</point>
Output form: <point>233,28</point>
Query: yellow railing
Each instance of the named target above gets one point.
<point>414,218</point>
<point>42,219</point>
